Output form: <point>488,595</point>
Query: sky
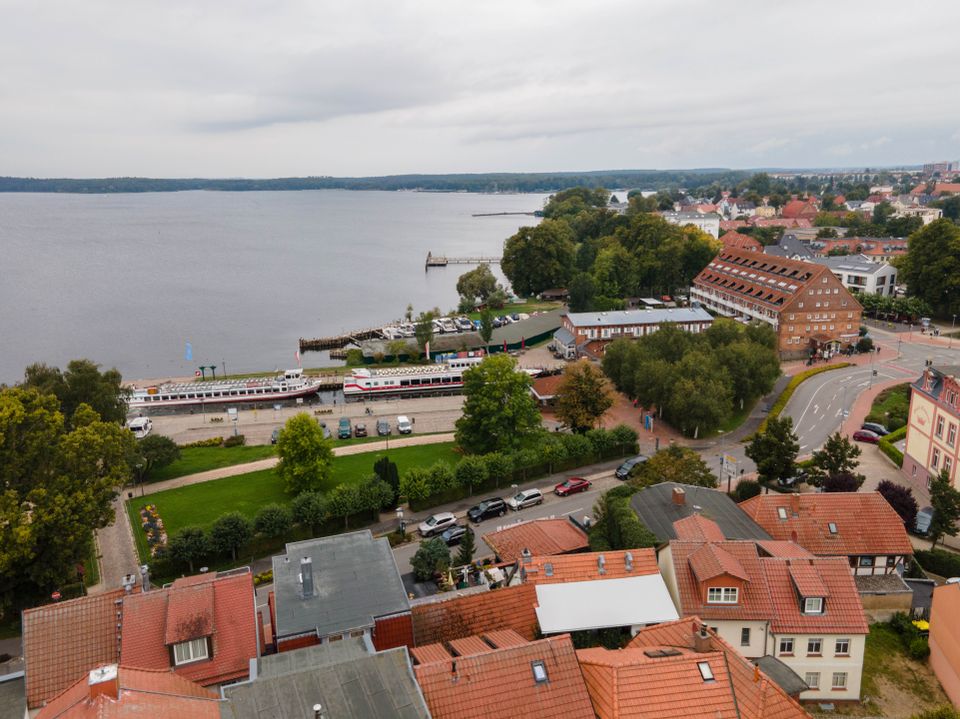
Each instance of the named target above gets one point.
<point>275,88</point>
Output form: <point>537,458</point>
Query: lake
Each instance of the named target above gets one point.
<point>127,280</point>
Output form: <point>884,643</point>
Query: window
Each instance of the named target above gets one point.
<point>192,651</point>
<point>952,434</point>
<point>939,431</point>
<point>786,646</point>
<point>866,561</point>
<point>722,595</point>
<point>745,637</point>
<point>799,306</point>
<point>812,679</point>
<point>947,465</point>
<point>539,671</point>
<point>814,647</point>
<point>839,680</point>
<point>705,671</point>
<point>813,605</point>
<point>842,648</point>
<point>935,461</point>
<point>782,512</point>
<point>832,527</point>
<point>791,317</point>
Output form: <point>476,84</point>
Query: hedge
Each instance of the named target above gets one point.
<point>939,561</point>
<point>886,445</point>
<point>791,387</point>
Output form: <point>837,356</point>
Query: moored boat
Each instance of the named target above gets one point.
<point>290,385</point>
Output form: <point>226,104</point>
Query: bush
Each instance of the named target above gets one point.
<point>624,530</point>
<point>901,499</point>
<point>470,472</point>
<point>843,482</point>
<point>865,344</point>
<point>886,445</point>
<point>939,561</point>
<point>918,649</point>
<point>624,436</point>
<point>601,440</point>
<point>273,520</point>
<point>577,447</point>
<point>746,488</point>
<point>236,440</point>
<point>944,711</point>
<point>791,387</point>
<point>415,484</point>
<point>441,477</point>
<point>212,442</point>
<point>499,466</point>
<point>354,357</point>
<point>230,532</point>
<point>433,557</point>
<point>263,578</point>
<point>310,510</point>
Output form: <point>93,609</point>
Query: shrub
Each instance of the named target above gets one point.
<point>230,532</point>
<point>791,387</point>
<point>499,466</point>
<point>441,477</point>
<point>843,482</point>
<point>310,510</point>
<point>471,471</point>
<point>746,488</point>
<point>939,561</point>
<point>354,357</point>
<point>577,446</point>
<point>273,520</point>
<point>212,442</point>
<point>901,499</point>
<point>624,436</point>
<point>601,440</point>
<point>895,455</point>
<point>918,649</point>
<point>944,711</point>
<point>415,484</point>
<point>236,440</point>
<point>433,557</point>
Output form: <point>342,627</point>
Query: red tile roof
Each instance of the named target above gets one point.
<point>696,526</point>
<point>866,523</point>
<point>504,638</point>
<point>735,240</point>
<point>501,682</point>
<point>540,536</point>
<point>585,566</point>
<point>941,187</point>
<point>796,209</point>
<point>733,224</point>
<point>466,646</point>
<point>430,653</point>
<point>629,683</point>
<point>149,693</point>
<point>778,548</point>
<point>446,618</point>
<point>64,641</point>
<point>546,387</point>
<point>771,591</point>
<point>712,560</point>
<point>221,607</point>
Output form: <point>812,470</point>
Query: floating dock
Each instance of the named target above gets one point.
<point>340,341</point>
<point>444,260</point>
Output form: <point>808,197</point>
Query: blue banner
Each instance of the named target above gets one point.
<point>188,352</point>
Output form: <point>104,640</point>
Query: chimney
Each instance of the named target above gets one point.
<point>628,561</point>
<point>795,503</point>
<point>104,681</point>
<point>128,582</point>
<point>679,496</point>
<point>701,641</point>
<point>526,555</point>
<point>145,575</point>
<point>306,577</point>
<point>601,565</point>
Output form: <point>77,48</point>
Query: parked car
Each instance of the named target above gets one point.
<point>404,425</point>
<point>383,427</point>
<point>878,429</point>
<point>453,535</point>
<point>327,434</point>
<point>623,471</point>
<point>275,435</point>
<point>490,507</point>
<point>571,486</point>
<point>436,523</point>
<point>344,431</point>
<point>798,477</point>
<point>922,524</point>
<point>525,498</point>
<point>865,435</point>
<point>360,430</point>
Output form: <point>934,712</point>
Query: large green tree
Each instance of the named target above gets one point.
<point>56,487</point>
<point>931,267</point>
<point>583,396</point>
<point>475,286</point>
<point>81,383</point>
<point>155,452</point>
<point>945,500</point>
<point>306,457</point>
<point>837,456</point>
<point>673,464</point>
<point>230,532</point>
<point>539,258</point>
<point>775,450</point>
<point>498,411</point>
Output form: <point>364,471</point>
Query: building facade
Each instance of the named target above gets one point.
<point>708,222</point>
<point>933,425</point>
<point>598,329</point>
<point>945,639</point>
<point>859,273</point>
<point>805,303</point>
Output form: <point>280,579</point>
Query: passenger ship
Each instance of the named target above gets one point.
<point>289,385</point>
<point>446,375</point>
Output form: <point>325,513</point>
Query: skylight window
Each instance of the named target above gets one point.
<point>539,672</point>
<point>832,526</point>
<point>705,671</point>
<point>782,512</point>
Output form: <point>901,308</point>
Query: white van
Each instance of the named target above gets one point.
<point>140,427</point>
<point>404,425</point>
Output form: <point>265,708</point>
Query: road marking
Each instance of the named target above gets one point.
<point>803,446</point>
<point>578,509</point>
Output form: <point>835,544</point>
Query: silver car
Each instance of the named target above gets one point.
<point>436,523</point>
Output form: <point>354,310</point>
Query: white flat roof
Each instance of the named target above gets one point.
<point>572,606</point>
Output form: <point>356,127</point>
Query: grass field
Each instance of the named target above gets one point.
<point>200,459</point>
<point>891,406</point>
<point>201,504</point>
<point>515,308</point>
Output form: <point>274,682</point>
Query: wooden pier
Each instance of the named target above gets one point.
<point>319,344</point>
<point>443,260</point>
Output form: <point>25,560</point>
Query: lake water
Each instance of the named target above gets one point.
<point>127,280</point>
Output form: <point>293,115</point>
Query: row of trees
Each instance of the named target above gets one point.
<point>603,256</point>
<point>881,224</point>
<point>899,308</point>
<point>833,467</point>
<point>696,381</point>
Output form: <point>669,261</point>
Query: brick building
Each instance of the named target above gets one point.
<point>594,330</point>
<point>805,303</point>
<point>932,424</point>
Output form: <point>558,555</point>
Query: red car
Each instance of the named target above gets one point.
<point>571,486</point>
<point>865,435</point>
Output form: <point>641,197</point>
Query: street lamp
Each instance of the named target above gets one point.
<point>953,326</point>
<point>139,466</point>
<point>403,526</point>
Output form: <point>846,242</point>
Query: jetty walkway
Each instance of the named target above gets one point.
<point>444,260</point>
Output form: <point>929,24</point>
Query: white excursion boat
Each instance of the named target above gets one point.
<point>289,385</point>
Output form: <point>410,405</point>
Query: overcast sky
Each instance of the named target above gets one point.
<point>315,87</point>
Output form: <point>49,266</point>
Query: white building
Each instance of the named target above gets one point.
<point>859,273</point>
<point>708,222</point>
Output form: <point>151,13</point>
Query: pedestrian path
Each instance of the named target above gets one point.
<point>115,549</point>
<point>270,462</point>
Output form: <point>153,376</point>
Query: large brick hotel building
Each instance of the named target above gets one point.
<point>933,429</point>
<point>804,302</point>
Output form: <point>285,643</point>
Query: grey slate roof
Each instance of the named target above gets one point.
<point>355,581</point>
<point>13,696</point>
<point>790,246</point>
<point>376,686</point>
<point>318,655</point>
<point>564,337</point>
<point>784,676</point>
<point>939,372</point>
<point>639,317</point>
<point>853,263</point>
<point>654,505</point>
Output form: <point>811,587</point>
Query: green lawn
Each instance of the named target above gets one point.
<point>201,504</point>
<point>891,406</point>
<point>736,418</point>
<point>91,567</point>
<point>515,308</point>
<point>200,459</point>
